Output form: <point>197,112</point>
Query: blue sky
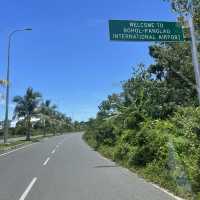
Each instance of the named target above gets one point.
<point>68,56</point>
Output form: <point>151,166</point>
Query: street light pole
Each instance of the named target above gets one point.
<point>194,48</point>
<point>6,122</point>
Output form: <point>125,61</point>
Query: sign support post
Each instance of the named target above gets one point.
<point>194,50</point>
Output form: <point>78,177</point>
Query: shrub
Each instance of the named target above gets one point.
<point>134,119</point>
<point>187,143</point>
<point>124,145</point>
<point>165,151</point>
<point>151,143</point>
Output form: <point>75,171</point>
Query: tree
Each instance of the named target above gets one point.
<point>173,65</point>
<point>183,7</point>
<point>46,113</point>
<point>27,108</point>
<point>110,106</point>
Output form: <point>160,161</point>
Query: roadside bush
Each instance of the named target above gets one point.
<point>144,146</point>
<point>151,144</point>
<point>19,130</point>
<point>157,172</point>
<point>134,119</point>
<point>105,134</point>
<point>124,145</point>
<point>187,123</point>
<point>164,151</point>
<point>187,143</point>
<point>89,136</point>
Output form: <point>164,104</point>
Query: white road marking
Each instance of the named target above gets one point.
<point>53,151</point>
<point>154,185</point>
<point>46,161</point>
<point>24,195</point>
<point>7,153</point>
<point>166,192</point>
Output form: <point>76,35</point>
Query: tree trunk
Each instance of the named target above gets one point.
<point>44,132</point>
<point>28,133</point>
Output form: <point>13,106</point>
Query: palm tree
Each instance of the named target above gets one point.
<point>47,108</point>
<point>26,108</point>
<point>46,112</point>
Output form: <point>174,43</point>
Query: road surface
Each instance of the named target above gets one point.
<point>65,168</point>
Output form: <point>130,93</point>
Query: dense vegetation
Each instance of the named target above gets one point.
<point>36,116</point>
<point>153,125</point>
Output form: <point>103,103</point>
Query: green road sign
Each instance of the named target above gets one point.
<point>125,30</point>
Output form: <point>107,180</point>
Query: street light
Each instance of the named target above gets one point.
<point>194,47</point>
<point>6,123</point>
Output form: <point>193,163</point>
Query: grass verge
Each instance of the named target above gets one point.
<point>19,143</point>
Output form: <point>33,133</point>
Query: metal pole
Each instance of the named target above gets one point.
<point>194,50</point>
<point>6,122</point>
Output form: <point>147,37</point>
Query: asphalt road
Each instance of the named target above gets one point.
<point>65,168</point>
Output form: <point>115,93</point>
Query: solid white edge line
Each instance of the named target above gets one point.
<point>154,185</point>
<point>46,161</point>
<point>9,152</point>
<point>24,195</point>
<point>167,192</point>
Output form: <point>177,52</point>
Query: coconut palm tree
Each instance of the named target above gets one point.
<point>27,108</point>
<point>46,112</point>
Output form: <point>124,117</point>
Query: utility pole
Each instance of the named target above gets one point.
<point>195,58</point>
<point>6,122</point>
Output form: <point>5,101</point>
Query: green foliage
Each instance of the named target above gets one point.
<point>176,74</point>
<point>150,128</point>
<point>20,128</point>
<point>40,117</point>
<point>187,142</point>
<point>141,147</point>
<point>151,145</point>
<point>165,151</point>
<point>105,134</point>
<point>182,6</point>
<point>26,108</point>
<point>124,145</point>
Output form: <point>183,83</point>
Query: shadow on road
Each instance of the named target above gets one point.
<point>104,166</point>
